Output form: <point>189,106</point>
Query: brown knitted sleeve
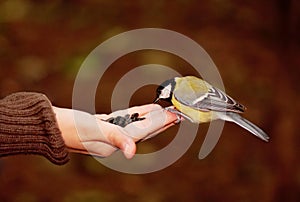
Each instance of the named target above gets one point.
<point>28,126</point>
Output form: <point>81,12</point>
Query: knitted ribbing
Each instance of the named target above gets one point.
<point>28,126</point>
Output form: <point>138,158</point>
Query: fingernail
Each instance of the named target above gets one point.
<point>128,151</point>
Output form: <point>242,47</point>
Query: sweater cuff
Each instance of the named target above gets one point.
<point>28,126</point>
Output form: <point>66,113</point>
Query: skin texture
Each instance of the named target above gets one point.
<point>90,134</point>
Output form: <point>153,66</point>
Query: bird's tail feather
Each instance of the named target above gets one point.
<point>255,130</point>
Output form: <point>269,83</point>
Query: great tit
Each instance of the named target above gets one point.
<point>197,101</point>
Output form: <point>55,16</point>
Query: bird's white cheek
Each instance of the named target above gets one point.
<point>165,94</point>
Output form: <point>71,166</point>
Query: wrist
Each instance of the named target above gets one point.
<point>66,124</point>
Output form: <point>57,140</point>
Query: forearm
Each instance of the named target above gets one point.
<point>28,126</point>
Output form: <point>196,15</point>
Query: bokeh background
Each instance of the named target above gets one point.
<point>255,45</point>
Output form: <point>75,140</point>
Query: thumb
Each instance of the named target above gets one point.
<point>118,138</point>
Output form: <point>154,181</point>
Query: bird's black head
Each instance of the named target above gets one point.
<point>165,90</point>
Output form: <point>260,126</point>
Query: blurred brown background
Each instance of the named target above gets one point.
<point>255,45</point>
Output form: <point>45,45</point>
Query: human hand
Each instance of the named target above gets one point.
<point>90,134</point>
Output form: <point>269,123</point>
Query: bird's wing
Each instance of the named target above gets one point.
<point>200,95</point>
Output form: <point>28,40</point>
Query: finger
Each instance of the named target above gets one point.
<point>99,149</point>
<point>171,117</point>
<point>91,129</point>
<point>155,133</point>
<point>102,116</point>
<point>117,137</point>
<point>102,149</point>
<point>142,110</point>
<point>154,121</point>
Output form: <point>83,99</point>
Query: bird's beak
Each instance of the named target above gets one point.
<point>156,100</point>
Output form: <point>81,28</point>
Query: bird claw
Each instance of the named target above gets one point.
<point>178,114</point>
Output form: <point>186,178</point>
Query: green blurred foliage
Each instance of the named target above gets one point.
<point>255,45</point>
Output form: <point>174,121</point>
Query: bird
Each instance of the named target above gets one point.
<point>199,102</point>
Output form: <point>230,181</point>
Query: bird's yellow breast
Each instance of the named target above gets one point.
<point>196,115</point>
